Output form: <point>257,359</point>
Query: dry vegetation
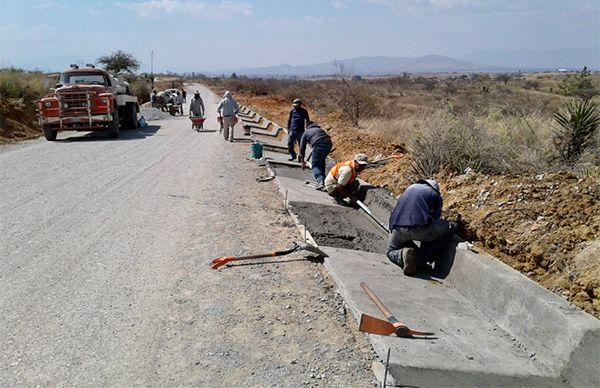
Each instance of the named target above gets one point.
<point>519,199</point>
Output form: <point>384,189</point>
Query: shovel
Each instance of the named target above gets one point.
<point>298,246</point>
<point>372,325</point>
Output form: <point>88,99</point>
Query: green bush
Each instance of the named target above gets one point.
<point>578,85</point>
<point>578,123</point>
<point>19,84</point>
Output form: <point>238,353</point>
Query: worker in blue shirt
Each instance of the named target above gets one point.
<point>296,123</point>
<point>416,217</point>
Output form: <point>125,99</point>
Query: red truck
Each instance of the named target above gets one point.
<point>88,99</point>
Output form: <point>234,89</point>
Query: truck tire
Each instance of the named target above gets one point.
<point>130,116</point>
<point>49,133</point>
<point>113,127</point>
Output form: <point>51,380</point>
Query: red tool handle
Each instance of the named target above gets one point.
<point>220,261</point>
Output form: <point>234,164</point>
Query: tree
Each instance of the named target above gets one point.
<point>353,97</point>
<point>119,61</point>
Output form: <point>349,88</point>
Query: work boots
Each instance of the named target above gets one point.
<point>409,259</point>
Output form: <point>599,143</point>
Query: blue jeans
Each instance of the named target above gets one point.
<point>433,238</point>
<point>293,138</point>
<point>319,156</point>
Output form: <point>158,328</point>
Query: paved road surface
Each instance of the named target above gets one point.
<point>103,275</point>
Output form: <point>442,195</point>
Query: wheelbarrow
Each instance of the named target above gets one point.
<point>175,109</point>
<point>197,122</point>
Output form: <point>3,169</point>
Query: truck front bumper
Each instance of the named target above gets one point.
<point>77,123</point>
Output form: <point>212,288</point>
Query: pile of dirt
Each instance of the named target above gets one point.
<point>547,225</point>
<point>17,121</point>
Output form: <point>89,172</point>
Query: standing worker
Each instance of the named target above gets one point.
<point>341,181</point>
<point>184,94</point>
<point>229,107</point>
<point>196,105</point>
<point>296,123</point>
<point>320,141</point>
<point>416,217</point>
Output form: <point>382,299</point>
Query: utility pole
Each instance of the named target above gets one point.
<point>152,69</point>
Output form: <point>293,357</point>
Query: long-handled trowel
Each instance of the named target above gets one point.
<point>298,246</point>
<point>372,325</point>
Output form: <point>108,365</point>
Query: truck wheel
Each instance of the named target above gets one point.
<point>113,127</point>
<point>131,117</point>
<point>49,133</point>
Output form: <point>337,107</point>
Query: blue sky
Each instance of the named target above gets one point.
<point>201,35</point>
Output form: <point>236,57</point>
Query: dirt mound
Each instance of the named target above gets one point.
<point>547,226</point>
<point>17,120</point>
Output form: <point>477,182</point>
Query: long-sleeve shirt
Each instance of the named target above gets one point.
<point>419,205</point>
<point>312,136</point>
<point>297,120</point>
<point>228,106</point>
<point>197,106</point>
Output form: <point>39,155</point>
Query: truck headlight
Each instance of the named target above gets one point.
<point>65,105</point>
<point>104,101</point>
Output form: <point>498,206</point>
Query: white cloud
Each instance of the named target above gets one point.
<point>155,9</point>
<point>340,4</point>
<point>484,6</point>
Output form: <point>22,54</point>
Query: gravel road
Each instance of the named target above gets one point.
<point>104,279</point>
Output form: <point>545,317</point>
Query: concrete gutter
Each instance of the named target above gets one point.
<point>494,326</point>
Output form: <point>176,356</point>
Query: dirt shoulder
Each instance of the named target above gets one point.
<point>547,226</point>
<point>17,121</point>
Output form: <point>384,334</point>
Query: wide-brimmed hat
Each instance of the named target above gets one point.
<point>297,102</point>
<point>361,159</point>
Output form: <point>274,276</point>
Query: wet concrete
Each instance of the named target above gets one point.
<point>343,227</point>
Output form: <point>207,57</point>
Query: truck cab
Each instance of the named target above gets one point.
<point>88,99</point>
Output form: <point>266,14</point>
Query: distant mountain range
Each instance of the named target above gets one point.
<point>480,61</point>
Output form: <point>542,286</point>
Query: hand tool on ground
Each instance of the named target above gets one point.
<point>298,246</point>
<point>369,324</point>
<point>370,213</point>
<point>378,162</point>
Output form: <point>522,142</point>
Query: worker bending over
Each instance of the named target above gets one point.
<point>416,217</point>
<point>341,181</point>
<point>321,145</point>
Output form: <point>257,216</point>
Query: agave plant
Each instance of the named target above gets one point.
<point>578,122</point>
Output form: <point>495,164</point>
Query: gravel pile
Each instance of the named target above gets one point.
<point>150,113</point>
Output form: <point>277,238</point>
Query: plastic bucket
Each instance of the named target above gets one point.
<point>256,150</point>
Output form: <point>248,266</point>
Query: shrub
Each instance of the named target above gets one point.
<point>141,89</point>
<point>578,85</point>
<point>16,83</point>
<point>578,123</point>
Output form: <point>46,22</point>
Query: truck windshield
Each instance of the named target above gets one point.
<point>82,78</point>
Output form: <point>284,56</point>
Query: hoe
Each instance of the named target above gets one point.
<point>372,325</point>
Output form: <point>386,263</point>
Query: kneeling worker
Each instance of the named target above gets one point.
<point>321,145</point>
<point>341,181</point>
<point>416,217</point>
